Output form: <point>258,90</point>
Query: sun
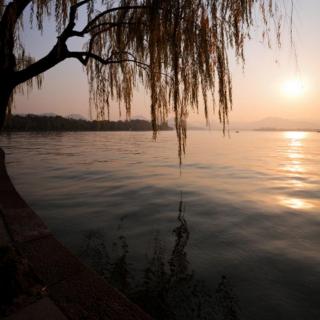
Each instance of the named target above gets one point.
<point>293,88</point>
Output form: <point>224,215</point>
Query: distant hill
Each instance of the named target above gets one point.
<point>48,114</point>
<point>76,117</point>
<point>139,117</point>
<point>267,124</point>
<point>42,123</point>
<point>282,124</point>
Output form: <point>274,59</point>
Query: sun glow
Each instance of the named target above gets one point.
<point>293,88</point>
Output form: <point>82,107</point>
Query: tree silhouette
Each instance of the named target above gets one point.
<point>178,50</point>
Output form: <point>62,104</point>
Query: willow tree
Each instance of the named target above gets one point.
<point>177,49</point>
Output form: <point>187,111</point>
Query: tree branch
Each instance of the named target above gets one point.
<point>58,53</point>
<point>68,31</point>
<point>84,56</point>
<point>13,11</point>
<point>103,13</point>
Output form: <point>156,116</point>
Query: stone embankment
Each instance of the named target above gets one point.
<point>40,278</point>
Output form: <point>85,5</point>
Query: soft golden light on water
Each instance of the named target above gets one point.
<point>295,143</point>
<point>295,203</point>
<point>295,152</point>
<point>295,156</point>
<point>295,135</point>
<point>295,169</point>
<point>297,183</point>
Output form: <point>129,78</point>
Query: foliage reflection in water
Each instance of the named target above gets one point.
<point>167,288</point>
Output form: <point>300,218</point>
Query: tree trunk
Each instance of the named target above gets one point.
<point>5,95</point>
<point>8,23</point>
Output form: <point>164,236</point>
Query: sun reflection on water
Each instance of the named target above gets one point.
<point>294,169</point>
<point>294,155</point>
<point>295,138</point>
<point>297,183</point>
<point>295,135</point>
<point>295,151</point>
<point>295,203</point>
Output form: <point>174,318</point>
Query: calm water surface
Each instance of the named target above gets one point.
<point>247,207</point>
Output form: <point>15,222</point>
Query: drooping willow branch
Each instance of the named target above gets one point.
<point>179,50</point>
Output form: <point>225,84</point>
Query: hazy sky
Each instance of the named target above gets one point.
<point>258,91</point>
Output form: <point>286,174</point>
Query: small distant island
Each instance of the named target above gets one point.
<point>31,122</point>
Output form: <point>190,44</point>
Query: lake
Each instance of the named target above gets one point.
<point>240,221</point>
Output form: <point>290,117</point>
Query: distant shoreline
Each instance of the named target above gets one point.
<point>36,123</point>
<point>256,130</point>
<point>56,123</point>
<point>283,130</point>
